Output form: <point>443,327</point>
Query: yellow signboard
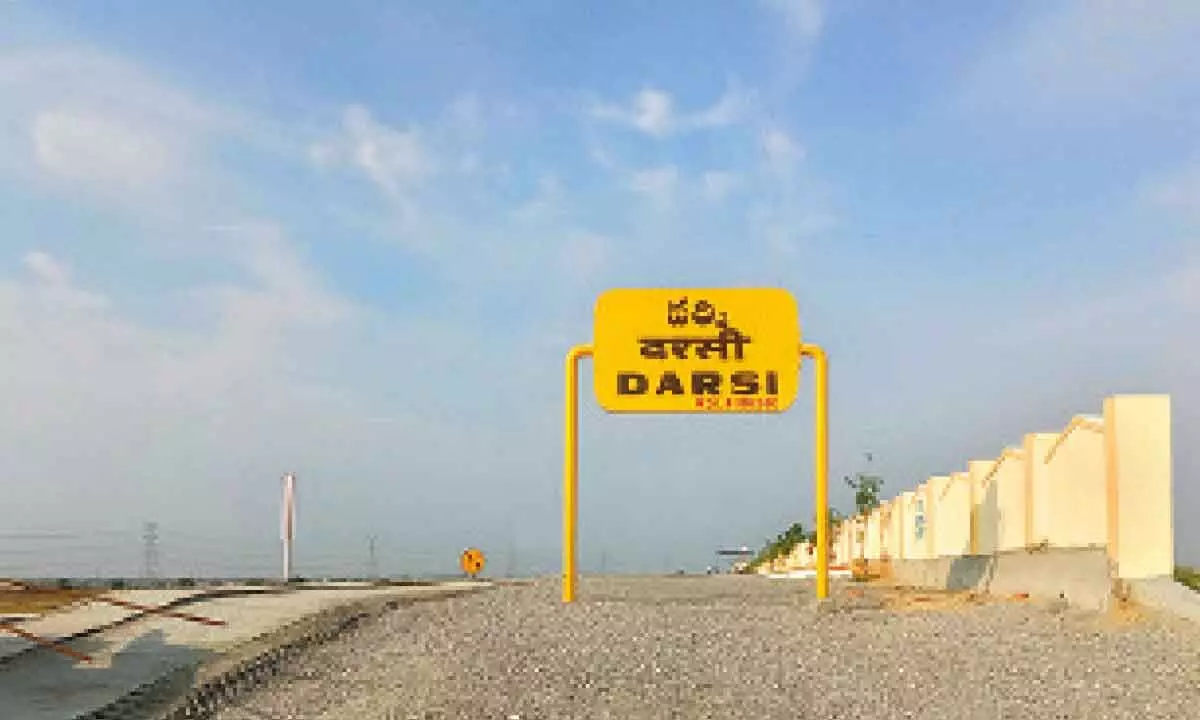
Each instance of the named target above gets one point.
<point>471,561</point>
<point>696,350</point>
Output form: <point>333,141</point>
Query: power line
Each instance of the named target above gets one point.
<point>372,560</point>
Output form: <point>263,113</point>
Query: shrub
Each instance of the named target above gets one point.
<point>1188,576</point>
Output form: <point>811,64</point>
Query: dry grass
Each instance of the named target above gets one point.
<point>910,600</point>
<point>1123,612</point>
<point>40,600</point>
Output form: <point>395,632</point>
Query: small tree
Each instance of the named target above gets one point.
<point>866,497</point>
<point>866,492</point>
<point>835,516</point>
<point>780,545</point>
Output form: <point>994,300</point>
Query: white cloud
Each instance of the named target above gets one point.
<point>1184,284</point>
<point>730,109</point>
<point>89,147</point>
<point>598,153</point>
<point>183,403</point>
<point>395,160</point>
<point>545,205</point>
<point>290,290</point>
<point>718,184</point>
<point>781,150</point>
<point>243,333</point>
<point>112,419</point>
<point>94,116</point>
<point>46,268</point>
<point>804,18</point>
<point>1093,61</point>
<point>128,376</point>
<point>1180,192</point>
<point>57,331</point>
<point>1178,195</point>
<point>50,282</point>
<point>466,114</point>
<point>585,256</point>
<point>656,183</point>
<point>652,111</point>
<point>44,78</point>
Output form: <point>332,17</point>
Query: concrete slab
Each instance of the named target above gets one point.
<point>1168,596</point>
<point>75,620</point>
<point>807,574</point>
<point>43,685</point>
<point>1079,575</point>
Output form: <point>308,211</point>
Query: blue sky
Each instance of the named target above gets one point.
<point>355,240</point>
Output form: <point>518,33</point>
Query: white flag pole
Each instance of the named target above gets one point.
<point>288,530</point>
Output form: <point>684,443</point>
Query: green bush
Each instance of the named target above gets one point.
<point>1188,576</point>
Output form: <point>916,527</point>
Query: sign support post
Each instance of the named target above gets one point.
<point>571,469</point>
<point>821,461</point>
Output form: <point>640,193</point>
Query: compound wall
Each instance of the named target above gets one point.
<point>1064,515</point>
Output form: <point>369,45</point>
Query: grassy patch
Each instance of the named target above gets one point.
<point>1188,576</point>
<point>41,600</point>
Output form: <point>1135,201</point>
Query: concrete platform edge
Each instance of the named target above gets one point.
<point>134,616</point>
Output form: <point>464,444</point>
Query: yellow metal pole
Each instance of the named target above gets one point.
<point>571,468</point>
<point>821,462</point>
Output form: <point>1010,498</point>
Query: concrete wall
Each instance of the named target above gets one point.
<point>872,537</point>
<point>1037,482</point>
<point>1037,445</point>
<point>952,515</point>
<point>1073,509</point>
<point>895,527</point>
<point>1076,479</point>
<point>982,535</point>
<point>802,556</point>
<point>920,525</point>
<point>1006,487</point>
<point>858,536</point>
<point>1141,526</point>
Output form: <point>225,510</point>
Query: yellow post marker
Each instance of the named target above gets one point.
<point>821,462</point>
<point>571,467</point>
<point>471,561</point>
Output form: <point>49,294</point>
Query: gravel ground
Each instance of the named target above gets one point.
<point>735,647</point>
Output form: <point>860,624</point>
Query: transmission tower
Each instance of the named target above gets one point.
<point>150,538</point>
<point>512,559</point>
<point>372,559</point>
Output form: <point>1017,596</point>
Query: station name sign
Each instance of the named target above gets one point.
<point>696,350</point>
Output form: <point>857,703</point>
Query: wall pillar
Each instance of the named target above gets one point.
<point>1141,538</point>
